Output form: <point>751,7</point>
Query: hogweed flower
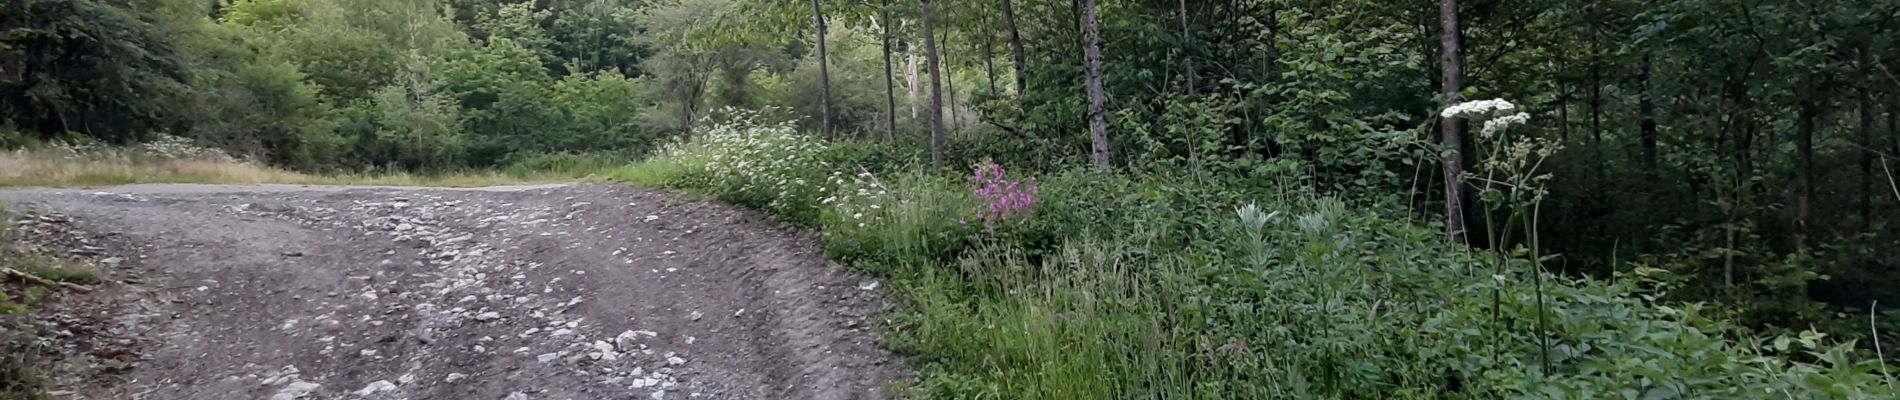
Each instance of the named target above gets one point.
<point>1478,108</point>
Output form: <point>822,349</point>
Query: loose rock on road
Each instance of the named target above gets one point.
<point>532,292</point>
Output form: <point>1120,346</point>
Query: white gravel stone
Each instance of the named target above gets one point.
<point>376,387</point>
<point>295,390</point>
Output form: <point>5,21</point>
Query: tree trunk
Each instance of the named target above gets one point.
<point>1648,110</point>
<point>949,77</point>
<point>1866,155</point>
<point>1092,54</point>
<point>1015,45</point>
<point>1449,128</point>
<point>1563,104</point>
<point>1596,102</point>
<point>1187,39</point>
<point>824,71</point>
<point>910,77</point>
<point>989,56</point>
<point>936,87</point>
<point>1806,120</point>
<point>890,83</point>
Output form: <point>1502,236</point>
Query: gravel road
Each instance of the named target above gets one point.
<point>509,293</point>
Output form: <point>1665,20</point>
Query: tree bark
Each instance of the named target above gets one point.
<point>1449,128</point>
<point>890,82</point>
<point>1015,45</point>
<point>910,77</point>
<point>936,87</point>
<point>824,71</point>
<point>1596,101</point>
<point>1092,54</point>
<point>1867,139</point>
<point>1648,110</point>
<point>1187,39</point>
<point>950,79</point>
<point>989,56</point>
<point>1563,104</point>
<point>1806,124</point>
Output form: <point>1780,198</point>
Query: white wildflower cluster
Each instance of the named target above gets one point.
<point>165,147</point>
<point>858,199</point>
<point>170,147</point>
<point>1478,108</point>
<point>1496,113</point>
<point>1509,165</point>
<point>1499,124</point>
<point>769,163</point>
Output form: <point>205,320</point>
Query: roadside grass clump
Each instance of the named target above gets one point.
<point>1161,284</point>
<point>908,218</point>
<point>18,377</point>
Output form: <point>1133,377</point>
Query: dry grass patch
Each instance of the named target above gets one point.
<point>32,169</point>
<point>29,168</point>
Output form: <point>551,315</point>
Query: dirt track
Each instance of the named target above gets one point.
<point>533,292</point>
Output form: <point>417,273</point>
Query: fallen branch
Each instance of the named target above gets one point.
<point>48,282</point>
<point>1007,128</point>
<point>1890,181</point>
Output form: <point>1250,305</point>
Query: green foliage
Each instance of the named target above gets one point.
<point>602,113</point>
<point>745,159</point>
<point>416,129</point>
<point>267,15</point>
<point>1718,153</point>
<point>566,164</point>
<point>13,138</point>
<point>599,36</point>
<point>87,66</point>
<point>1152,286</point>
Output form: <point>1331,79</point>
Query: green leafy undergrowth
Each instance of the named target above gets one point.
<point>1155,286</point>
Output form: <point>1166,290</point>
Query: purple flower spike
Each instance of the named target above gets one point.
<point>1003,199</point>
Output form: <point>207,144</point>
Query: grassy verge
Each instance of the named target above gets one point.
<point>18,294</point>
<point>37,169</point>
<point>1101,285</point>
